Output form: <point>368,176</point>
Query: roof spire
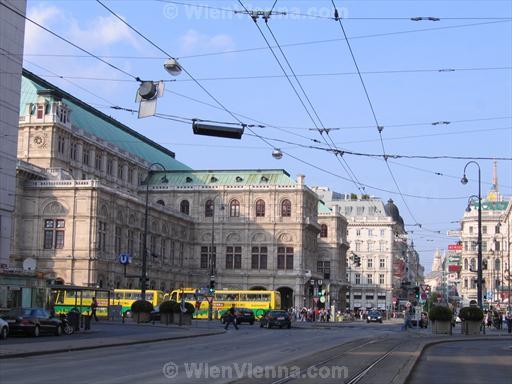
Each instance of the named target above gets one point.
<point>494,194</point>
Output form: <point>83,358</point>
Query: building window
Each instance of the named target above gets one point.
<point>85,156</point>
<point>358,246</point>
<point>465,283</point>
<point>260,208</point>
<point>163,248</point>
<point>369,278</point>
<point>130,175</point>
<point>473,246</point>
<point>466,264</point>
<point>208,208</point>
<point>181,254</point>
<point>285,258</point>
<point>381,279</point>
<point>233,257</point>
<point>472,265</point>
<point>369,246</point>
<point>497,265</point>
<point>484,229</point>
<point>370,232</point>
<point>324,267</point>
<point>323,230</point>
<point>120,171</point>
<point>382,232</point>
<point>117,232</point>
<point>286,208</point>
<point>484,246</point>
<point>358,278</point>
<point>185,207</point>
<point>40,111</point>
<point>131,241</point>
<point>110,166</point>
<point>60,144</point>
<point>97,161</point>
<point>348,210</point>
<point>497,229</point>
<point>234,208</point>
<point>382,263</point>
<point>473,283</point>
<point>358,232</point>
<point>74,151</point>
<point>470,230</point>
<point>205,257</point>
<point>360,210</point>
<point>54,234</point>
<point>102,236</point>
<point>259,258</point>
<point>369,263</point>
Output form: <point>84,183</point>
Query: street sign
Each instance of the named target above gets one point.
<point>315,299</point>
<point>423,296</point>
<point>209,299</point>
<point>125,259</point>
<point>455,247</point>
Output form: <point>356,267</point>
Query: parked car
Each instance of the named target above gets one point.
<point>242,315</point>
<point>374,316</point>
<point>33,321</point>
<point>276,318</point>
<point>4,329</point>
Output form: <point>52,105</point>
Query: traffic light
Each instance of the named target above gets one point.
<point>211,288</point>
<point>417,292</point>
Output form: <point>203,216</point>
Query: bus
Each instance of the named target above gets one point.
<point>126,297</point>
<point>258,301</point>
<point>66,297</point>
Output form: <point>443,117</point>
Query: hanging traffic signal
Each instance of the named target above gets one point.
<point>417,292</point>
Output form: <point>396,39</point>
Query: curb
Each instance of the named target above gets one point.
<point>406,371</point>
<point>55,351</point>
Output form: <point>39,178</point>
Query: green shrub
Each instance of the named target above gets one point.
<point>190,308</point>
<point>142,306</point>
<point>176,308</point>
<point>440,313</point>
<point>167,307</point>
<point>471,314</point>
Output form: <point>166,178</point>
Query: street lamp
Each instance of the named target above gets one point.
<point>464,181</point>
<point>211,261</point>
<point>143,277</point>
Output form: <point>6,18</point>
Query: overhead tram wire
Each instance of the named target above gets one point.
<point>20,14</point>
<point>291,83</point>
<point>171,56</point>
<point>378,126</point>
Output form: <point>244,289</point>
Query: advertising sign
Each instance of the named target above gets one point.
<point>455,247</point>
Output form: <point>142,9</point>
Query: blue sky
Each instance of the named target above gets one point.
<point>466,39</point>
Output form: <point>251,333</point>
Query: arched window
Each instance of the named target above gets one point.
<point>286,208</point>
<point>472,265</point>
<point>208,208</point>
<point>465,264</point>
<point>323,230</point>
<point>234,208</point>
<point>185,207</point>
<point>260,208</point>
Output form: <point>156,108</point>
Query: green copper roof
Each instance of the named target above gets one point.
<point>91,120</point>
<point>492,205</point>
<point>322,208</point>
<point>223,177</point>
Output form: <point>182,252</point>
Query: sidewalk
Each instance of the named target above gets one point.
<point>102,335</point>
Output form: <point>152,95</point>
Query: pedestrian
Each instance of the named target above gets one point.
<point>407,320</point>
<point>94,305</point>
<point>231,318</point>
<point>509,322</point>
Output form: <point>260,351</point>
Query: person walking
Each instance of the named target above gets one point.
<point>231,318</point>
<point>509,322</point>
<point>94,305</point>
<point>407,319</point>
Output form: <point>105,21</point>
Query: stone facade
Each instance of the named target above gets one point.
<point>81,203</point>
<point>12,30</point>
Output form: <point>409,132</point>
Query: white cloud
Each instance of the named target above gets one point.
<point>193,41</point>
<point>35,37</point>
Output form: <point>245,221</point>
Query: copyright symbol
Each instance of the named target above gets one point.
<point>170,11</point>
<point>170,370</point>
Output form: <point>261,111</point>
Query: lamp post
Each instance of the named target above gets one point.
<point>143,277</point>
<point>464,181</point>
<point>211,260</point>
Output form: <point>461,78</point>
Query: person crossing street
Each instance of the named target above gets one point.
<point>231,318</point>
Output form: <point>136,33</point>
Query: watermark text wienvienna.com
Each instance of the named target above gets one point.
<point>236,370</point>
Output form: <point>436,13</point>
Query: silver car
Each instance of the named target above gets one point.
<point>4,329</point>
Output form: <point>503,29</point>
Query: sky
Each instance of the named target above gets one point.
<point>407,68</point>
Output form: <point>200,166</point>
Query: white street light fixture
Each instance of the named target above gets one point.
<point>172,67</point>
<point>277,154</point>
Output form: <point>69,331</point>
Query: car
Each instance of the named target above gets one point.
<point>4,329</point>
<point>374,316</point>
<point>242,315</point>
<point>276,318</point>
<point>33,321</point>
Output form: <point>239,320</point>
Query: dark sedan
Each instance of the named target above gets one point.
<point>374,316</point>
<point>33,321</point>
<point>242,315</point>
<point>276,319</point>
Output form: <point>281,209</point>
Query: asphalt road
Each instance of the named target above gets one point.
<point>212,359</point>
<point>468,362</point>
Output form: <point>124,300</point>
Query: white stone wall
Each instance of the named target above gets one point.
<point>12,29</point>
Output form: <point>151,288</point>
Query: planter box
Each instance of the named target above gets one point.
<point>471,327</point>
<point>166,318</point>
<point>141,317</point>
<point>186,319</point>
<point>442,327</point>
